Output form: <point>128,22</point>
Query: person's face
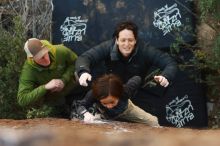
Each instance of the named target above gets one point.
<point>126,42</point>
<point>109,101</point>
<point>43,61</point>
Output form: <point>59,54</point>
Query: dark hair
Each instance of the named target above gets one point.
<point>108,84</point>
<point>126,25</point>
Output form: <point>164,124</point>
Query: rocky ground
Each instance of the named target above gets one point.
<point>62,132</point>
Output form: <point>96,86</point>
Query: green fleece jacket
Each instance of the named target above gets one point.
<point>33,77</point>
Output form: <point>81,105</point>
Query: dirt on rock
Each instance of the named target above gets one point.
<point>63,132</point>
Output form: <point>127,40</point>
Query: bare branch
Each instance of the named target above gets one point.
<point>36,15</point>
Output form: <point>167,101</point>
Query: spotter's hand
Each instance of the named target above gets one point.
<point>161,80</point>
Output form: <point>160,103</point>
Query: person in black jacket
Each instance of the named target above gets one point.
<point>125,55</point>
<point>112,98</point>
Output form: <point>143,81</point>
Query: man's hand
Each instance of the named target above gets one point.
<point>59,87</point>
<point>55,85</point>
<point>84,78</point>
<point>162,80</point>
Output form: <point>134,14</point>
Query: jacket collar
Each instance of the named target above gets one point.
<point>115,53</point>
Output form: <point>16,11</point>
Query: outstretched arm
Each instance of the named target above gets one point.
<point>163,61</point>
<point>90,58</point>
<point>80,107</point>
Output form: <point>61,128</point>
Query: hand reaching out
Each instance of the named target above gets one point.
<point>84,78</point>
<point>161,80</point>
<point>88,117</point>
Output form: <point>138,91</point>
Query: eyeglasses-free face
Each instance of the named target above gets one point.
<point>109,101</point>
<point>126,42</point>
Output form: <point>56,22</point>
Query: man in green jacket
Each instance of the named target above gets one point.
<point>47,77</point>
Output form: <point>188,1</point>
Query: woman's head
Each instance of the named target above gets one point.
<point>126,36</point>
<point>108,89</point>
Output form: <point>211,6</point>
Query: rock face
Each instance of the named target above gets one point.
<point>81,25</point>
<point>84,24</point>
<point>206,36</point>
<point>62,132</point>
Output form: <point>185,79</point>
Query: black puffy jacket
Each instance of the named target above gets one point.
<point>142,58</point>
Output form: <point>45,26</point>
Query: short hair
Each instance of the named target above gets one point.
<point>126,25</point>
<point>108,84</point>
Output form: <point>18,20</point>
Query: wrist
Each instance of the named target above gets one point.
<point>45,86</point>
<point>63,80</point>
<point>43,89</point>
<point>82,72</point>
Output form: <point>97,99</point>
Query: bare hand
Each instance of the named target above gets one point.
<point>161,80</point>
<point>59,87</point>
<point>55,85</point>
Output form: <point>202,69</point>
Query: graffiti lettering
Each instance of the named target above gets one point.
<point>73,28</point>
<point>179,111</point>
<point>166,18</point>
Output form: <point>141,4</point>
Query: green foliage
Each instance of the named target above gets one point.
<point>214,60</point>
<point>213,76</point>
<point>46,111</point>
<point>175,47</point>
<point>179,43</point>
<point>11,60</point>
<point>209,7</point>
<point>209,64</point>
<point>213,82</point>
<point>43,112</point>
<point>202,61</point>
